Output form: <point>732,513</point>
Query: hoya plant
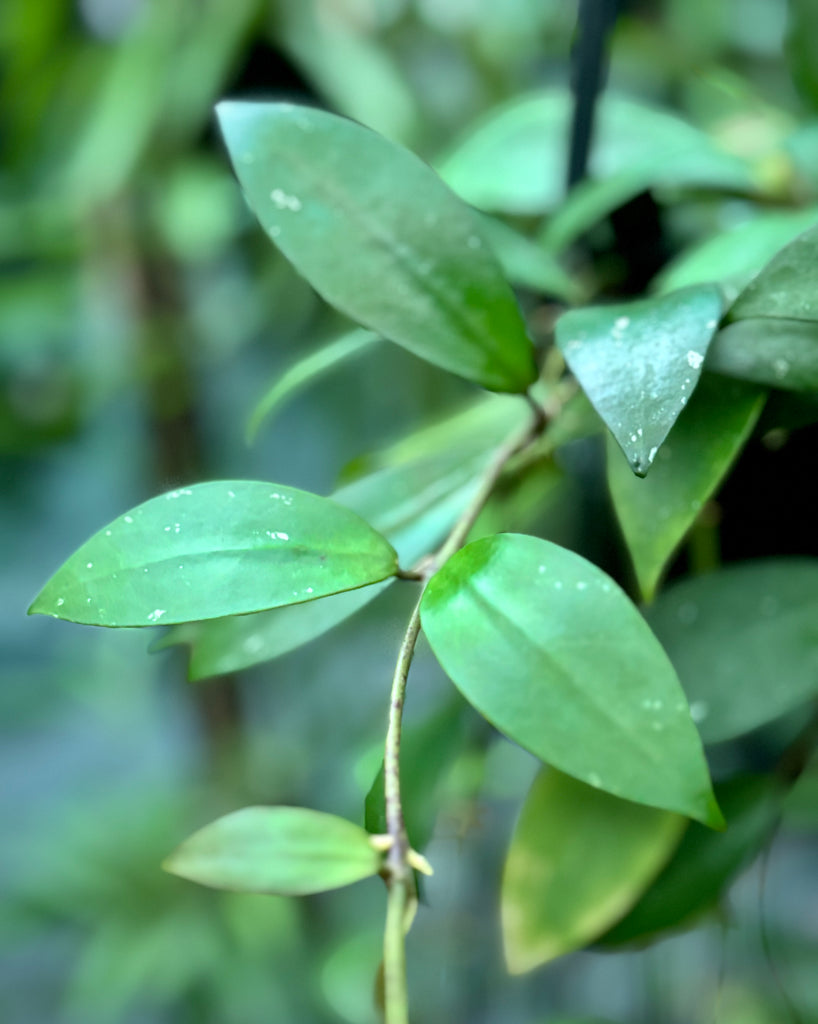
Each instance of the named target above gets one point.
<point>615,685</point>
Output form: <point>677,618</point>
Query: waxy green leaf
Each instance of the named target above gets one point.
<point>289,851</point>
<point>222,548</point>
<point>640,363</point>
<point>578,860</point>
<point>744,641</point>
<point>780,353</point>
<point>656,513</point>
<point>705,861</point>
<point>787,287</point>
<point>414,499</point>
<point>380,237</point>
<point>553,653</point>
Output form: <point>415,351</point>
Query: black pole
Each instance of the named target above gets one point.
<point>589,66</point>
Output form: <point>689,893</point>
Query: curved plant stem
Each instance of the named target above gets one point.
<point>398,869</point>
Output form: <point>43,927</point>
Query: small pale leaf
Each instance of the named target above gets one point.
<point>290,851</point>
<point>551,651</point>
<point>640,363</point>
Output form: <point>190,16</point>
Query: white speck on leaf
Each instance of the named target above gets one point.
<point>699,710</point>
<point>107,533</point>
<point>231,494</point>
<point>711,325</point>
<point>694,359</point>
<point>156,615</point>
<point>60,602</point>
<point>284,201</point>
<point>128,519</point>
<point>581,585</point>
<point>89,565</point>
<point>621,323</point>
<point>652,454</point>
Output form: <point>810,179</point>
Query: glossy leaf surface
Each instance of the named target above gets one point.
<point>380,237</point>
<point>705,861</point>
<point>578,860</point>
<point>786,287</point>
<point>290,851</point>
<point>551,651</point>
<point>656,513</point>
<point>780,353</point>
<point>768,663</point>
<point>222,548</point>
<point>414,498</point>
<point>639,363</point>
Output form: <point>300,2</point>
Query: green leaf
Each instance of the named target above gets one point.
<point>744,641</point>
<point>639,363</point>
<point>423,484</point>
<point>222,548</point>
<point>705,861</point>
<point>732,258</point>
<point>381,238</point>
<point>801,48</point>
<point>786,287</point>
<point>578,860</point>
<point>656,513</point>
<point>551,651</point>
<point>316,364</point>
<point>290,851</point>
<point>528,265</point>
<point>514,160</point>
<point>780,353</point>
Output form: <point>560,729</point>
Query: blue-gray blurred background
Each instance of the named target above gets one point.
<point>142,316</point>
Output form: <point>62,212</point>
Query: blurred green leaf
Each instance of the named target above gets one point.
<point>640,362</point>
<point>578,860</point>
<point>289,851</point>
<point>528,265</point>
<point>779,353</point>
<point>744,641</point>
<point>351,67</point>
<point>786,287</point>
<point>552,652</point>
<point>705,861</point>
<point>801,48</point>
<point>656,513</point>
<point>302,373</point>
<point>732,258</point>
<point>377,234</point>
<point>514,160</point>
<point>215,549</point>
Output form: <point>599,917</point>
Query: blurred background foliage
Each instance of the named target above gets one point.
<point>143,315</point>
